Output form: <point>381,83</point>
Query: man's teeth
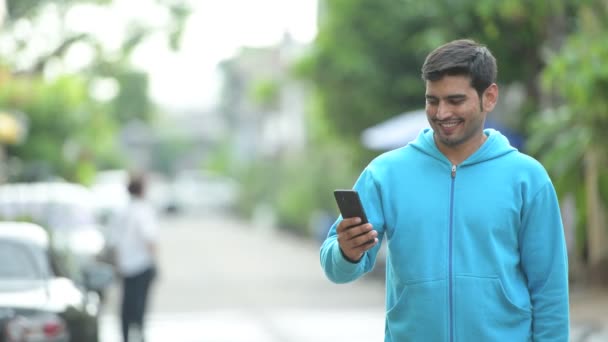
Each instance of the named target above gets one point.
<point>449,124</point>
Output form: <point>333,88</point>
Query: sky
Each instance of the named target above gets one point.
<point>215,31</point>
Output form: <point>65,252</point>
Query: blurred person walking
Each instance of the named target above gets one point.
<point>476,247</point>
<point>135,241</point>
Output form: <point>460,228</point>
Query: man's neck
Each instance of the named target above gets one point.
<point>457,154</point>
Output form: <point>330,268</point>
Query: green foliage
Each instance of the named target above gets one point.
<point>180,12</point>
<point>70,134</point>
<point>257,186</point>
<point>265,93</point>
<point>65,128</point>
<point>603,185</point>
<point>219,159</point>
<point>27,8</point>
<point>560,140</point>
<point>132,101</point>
<point>366,61</point>
<point>580,77</point>
<point>577,76</point>
<point>519,30</point>
<point>581,220</point>
<point>300,186</point>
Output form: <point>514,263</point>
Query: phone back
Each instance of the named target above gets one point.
<point>349,204</point>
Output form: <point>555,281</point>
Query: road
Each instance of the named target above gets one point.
<point>224,280</point>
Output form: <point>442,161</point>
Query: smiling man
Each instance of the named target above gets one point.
<point>476,249</point>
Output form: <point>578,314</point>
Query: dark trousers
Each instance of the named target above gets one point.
<point>134,299</point>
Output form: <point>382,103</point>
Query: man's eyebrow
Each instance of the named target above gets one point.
<point>449,97</point>
<point>456,97</point>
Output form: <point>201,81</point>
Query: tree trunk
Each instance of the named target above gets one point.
<point>596,223</point>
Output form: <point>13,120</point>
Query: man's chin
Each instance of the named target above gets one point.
<point>448,140</point>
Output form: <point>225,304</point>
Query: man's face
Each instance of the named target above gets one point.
<point>454,111</point>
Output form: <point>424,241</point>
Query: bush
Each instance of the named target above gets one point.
<point>298,186</point>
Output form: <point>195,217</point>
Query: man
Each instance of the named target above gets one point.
<point>476,249</point>
<point>136,249</point>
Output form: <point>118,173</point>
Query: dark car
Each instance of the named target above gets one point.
<point>39,298</point>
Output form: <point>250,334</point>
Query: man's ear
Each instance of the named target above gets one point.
<point>490,98</point>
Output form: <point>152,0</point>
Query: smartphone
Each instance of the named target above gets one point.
<point>349,204</point>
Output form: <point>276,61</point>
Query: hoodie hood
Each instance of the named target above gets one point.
<point>497,145</point>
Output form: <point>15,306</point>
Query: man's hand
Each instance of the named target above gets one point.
<point>355,238</point>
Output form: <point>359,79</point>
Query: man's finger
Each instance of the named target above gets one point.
<point>357,231</point>
<point>359,250</point>
<point>348,223</point>
<point>364,240</point>
<point>354,237</point>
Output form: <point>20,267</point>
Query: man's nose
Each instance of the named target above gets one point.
<point>443,111</point>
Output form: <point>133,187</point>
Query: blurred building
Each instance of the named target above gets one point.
<point>264,105</point>
<point>197,132</point>
<point>182,140</point>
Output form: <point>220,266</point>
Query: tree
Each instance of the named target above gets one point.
<point>519,33</point>
<point>132,99</point>
<point>71,130</point>
<point>366,61</point>
<point>571,138</point>
<point>65,127</point>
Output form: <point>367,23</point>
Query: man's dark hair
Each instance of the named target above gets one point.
<point>462,57</point>
<point>136,185</point>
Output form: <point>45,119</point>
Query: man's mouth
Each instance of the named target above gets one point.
<point>449,124</point>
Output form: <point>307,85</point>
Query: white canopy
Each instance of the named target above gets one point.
<point>395,132</point>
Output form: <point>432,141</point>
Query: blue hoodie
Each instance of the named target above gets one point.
<point>476,251</point>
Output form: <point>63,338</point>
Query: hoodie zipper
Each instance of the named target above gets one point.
<point>450,261</point>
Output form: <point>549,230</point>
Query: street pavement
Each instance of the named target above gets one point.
<point>225,280</point>
<point>222,280</point>
<point>589,314</point>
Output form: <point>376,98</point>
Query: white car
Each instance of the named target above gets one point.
<point>43,298</point>
<point>67,210</point>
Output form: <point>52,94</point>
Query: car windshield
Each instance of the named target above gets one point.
<point>18,262</point>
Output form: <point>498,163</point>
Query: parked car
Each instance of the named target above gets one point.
<point>40,301</point>
<point>66,210</point>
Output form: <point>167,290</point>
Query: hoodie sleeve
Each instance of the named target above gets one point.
<point>544,261</point>
<point>337,268</point>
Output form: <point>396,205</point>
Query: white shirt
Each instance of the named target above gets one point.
<point>134,231</point>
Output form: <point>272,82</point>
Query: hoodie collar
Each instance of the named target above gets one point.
<point>495,146</point>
